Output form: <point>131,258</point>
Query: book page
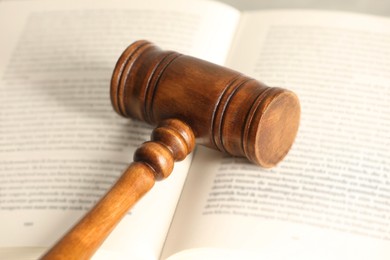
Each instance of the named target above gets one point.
<point>329,198</point>
<point>61,144</point>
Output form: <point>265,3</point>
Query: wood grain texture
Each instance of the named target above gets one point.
<point>227,111</point>
<point>82,241</point>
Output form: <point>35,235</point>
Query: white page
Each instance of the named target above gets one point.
<point>329,199</point>
<point>61,144</point>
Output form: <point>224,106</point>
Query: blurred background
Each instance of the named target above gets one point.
<point>377,7</point>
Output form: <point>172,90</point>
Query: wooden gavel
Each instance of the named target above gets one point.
<point>186,98</point>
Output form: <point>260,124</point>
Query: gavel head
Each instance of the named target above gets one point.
<point>225,109</point>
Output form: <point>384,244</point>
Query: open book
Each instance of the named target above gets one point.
<point>62,146</point>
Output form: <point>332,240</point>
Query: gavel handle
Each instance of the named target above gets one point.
<point>84,239</point>
<point>171,141</point>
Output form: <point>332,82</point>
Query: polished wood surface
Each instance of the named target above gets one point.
<point>187,98</point>
<point>226,110</point>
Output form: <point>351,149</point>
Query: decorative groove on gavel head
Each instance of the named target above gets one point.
<point>225,109</point>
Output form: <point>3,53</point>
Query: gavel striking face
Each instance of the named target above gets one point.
<point>187,99</point>
<point>226,110</point>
